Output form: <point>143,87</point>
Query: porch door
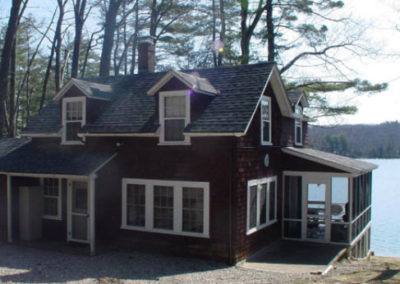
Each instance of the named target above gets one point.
<point>78,211</point>
<point>316,219</point>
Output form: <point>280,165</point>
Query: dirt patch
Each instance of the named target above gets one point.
<point>373,270</point>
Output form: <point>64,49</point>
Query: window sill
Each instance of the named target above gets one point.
<point>298,144</point>
<point>256,229</point>
<point>161,231</point>
<point>266,144</point>
<point>72,143</point>
<point>174,143</point>
<point>49,217</point>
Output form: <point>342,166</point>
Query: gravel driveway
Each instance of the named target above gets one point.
<point>24,264</point>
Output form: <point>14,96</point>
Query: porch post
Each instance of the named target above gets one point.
<point>9,209</point>
<point>92,219</point>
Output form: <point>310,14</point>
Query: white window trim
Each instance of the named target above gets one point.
<point>177,222</point>
<point>161,113</point>
<point>266,143</point>
<point>59,200</point>
<point>269,222</point>
<point>298,122</point>
<point>64,118</point>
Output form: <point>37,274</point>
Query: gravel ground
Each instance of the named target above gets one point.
<point>24,264</point>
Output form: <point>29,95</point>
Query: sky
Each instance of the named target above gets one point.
<point>382,17</point>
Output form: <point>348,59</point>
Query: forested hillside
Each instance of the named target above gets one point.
<point>359,141</point>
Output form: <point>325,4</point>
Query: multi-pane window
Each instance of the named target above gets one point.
<point>174,207</point>
<point>163,207</point>
<point>298,132</point>
<point>174,116</point>
<point>266,120</point>
<point>135,203</point>
<point>73,118</point>
<point>261,203</point>
<point>193,209</point>
<point>51,198</point>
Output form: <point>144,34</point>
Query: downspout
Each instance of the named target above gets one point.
<point>230,206</point>
<point>92,214</point>
<point>231,181</point>
<point>9,209</point>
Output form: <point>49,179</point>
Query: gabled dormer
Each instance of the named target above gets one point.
<point>80,102</point>
<point>299,102</point>
<point>180,98</point>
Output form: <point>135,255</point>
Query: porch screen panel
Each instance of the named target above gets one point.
<point>292,207</point>
<point>192,209</point>
<point>136,205</point>
<point>293,197</point>
<point>292,229</point>
<point>163,207</point>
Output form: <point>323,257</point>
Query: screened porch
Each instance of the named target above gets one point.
<point>329,207</point>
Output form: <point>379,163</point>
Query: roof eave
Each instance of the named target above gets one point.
<point>68,86</point>
<point>173,74</point>
<point>332,164</point>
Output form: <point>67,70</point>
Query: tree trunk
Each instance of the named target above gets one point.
<point>270,32</point>
<point>11,32</point>
<point>47,75</point>
<point>214,34</point>
<point>87,52</point>
<point>58,37</point>
<point>247,31</point>
<point>244,41</point>
<point>108,41</point>
<point>48,69</point>
<point>135,39</point>
<point>223,29</point>
<point>79,12</point>
<point>11,129</point>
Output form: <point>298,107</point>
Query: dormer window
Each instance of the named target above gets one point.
<point>298,132</point>
<point>174,111</point>
<point>298,126</point>
<point>74,117</point>
<point>266,121</point>
<point>298,110</point>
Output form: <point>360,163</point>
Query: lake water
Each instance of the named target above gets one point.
<point>385,240</point>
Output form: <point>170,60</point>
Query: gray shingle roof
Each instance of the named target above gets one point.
<point>47,121</point>
<point>8,145</point>
<point>95,90</point>
<point>294,96</point>
<point>198,83</point>
<point>36,159</point>
<point>339,162</point>
<point>133,111</point>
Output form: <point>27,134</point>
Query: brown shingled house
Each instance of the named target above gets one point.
<point>205,162</point>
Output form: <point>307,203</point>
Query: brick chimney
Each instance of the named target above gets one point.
<point>146,50</point>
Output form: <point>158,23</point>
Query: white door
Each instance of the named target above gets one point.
<point>316,219</point>
<point>78,211</point>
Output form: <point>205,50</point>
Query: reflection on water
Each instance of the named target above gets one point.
<point>386,207</point>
